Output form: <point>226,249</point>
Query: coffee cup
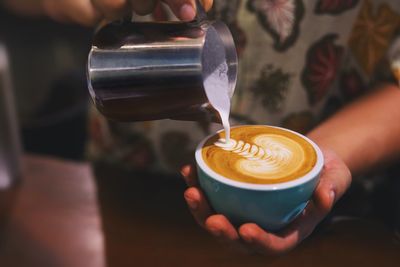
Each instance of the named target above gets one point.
<point>264,175</point>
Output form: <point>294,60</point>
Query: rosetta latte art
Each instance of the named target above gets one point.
<point>265,156</point>
<point>261,155</point>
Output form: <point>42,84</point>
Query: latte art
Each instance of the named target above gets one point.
<point>272,151</point>
<point>260,154</point>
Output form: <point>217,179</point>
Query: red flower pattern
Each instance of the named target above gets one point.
<point>322,65</point>
<point>351,84</point>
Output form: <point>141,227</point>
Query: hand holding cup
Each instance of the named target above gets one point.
<point>252,226</point>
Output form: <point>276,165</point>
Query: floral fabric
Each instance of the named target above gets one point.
<point>300,61</point>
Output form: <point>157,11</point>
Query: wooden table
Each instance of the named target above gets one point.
<point>52,217</point>
<point>60,215</point>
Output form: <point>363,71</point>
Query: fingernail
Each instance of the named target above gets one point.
<point>187,12</point>
<point>193,205</point>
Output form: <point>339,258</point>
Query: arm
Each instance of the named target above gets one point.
<point>90,12</point>
<point>365,134</point>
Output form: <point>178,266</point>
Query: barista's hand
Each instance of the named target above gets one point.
<point>183,9</point>
<point>90,12</point>
<point>335,180</point>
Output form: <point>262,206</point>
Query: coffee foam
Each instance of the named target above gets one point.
<point>260,154</point>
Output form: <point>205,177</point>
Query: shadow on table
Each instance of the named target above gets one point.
<point>35,252</point>
<point>14,237</point>
<point>51,219</point>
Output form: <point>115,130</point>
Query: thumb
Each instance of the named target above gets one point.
<point>335,180</point>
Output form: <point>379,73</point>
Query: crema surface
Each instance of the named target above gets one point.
<point>260,155</point>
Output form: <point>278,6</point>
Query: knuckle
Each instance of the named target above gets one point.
<point>213,221</point>
<point>52,10</point>
<point>189,193</point>
<point>144,7</point>
<point>113,4</point>
<point>210,225</point>
<point>86,18</point>
<point>215,224</point>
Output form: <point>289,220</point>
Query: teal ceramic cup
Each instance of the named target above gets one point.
<point>271,206</point>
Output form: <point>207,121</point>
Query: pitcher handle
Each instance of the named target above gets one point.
<point>201,15</point>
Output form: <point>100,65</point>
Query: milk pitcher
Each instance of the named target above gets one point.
<point>140,71</point>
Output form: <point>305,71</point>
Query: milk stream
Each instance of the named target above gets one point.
<point>218,93</point>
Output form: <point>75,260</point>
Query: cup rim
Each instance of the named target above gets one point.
<point>313,173</point>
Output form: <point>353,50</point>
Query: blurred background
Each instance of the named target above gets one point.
<point>47,62</point>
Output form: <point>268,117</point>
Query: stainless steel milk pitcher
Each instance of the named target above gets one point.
<point>156,70</point>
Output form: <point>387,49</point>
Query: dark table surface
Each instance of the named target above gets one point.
<point>66,214</point>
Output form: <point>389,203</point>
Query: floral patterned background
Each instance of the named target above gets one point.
<point>300,61</point>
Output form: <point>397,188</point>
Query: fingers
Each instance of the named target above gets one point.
<point>335,179</point>
<point>53,10</point>
<point>198,205</point>
<point>143,7</point>
<point>336,176</point>
<point>112,9</point>
<point>189,175</point>
<point>334,182</point>
<point>78,11</point>
<point>216,225</point>
<point>277,243</point>
<point>183,9</point>
<point>84,13</point>
<point>259,240</point>
<point>264,242</point>
<point>207,4</point>
<point>220,227</point>
<point>89,12</point>
<point>186,9</point>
